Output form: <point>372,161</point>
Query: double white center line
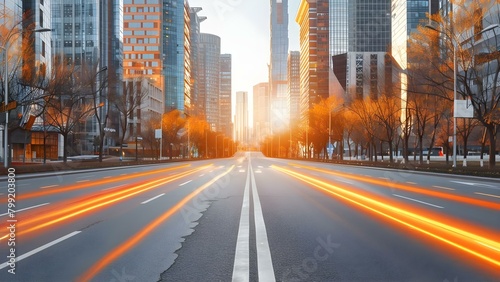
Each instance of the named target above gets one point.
<point>241,269</point>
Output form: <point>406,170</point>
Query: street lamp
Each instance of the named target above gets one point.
<point>455,45</point>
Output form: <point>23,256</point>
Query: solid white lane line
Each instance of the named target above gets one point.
<point>154,198</point>
<point>39,249</point>
<point>29,208</point>
<point>264,260</point>
<point>422,202</point>
<point>185,183</point>
<point>241,267</point>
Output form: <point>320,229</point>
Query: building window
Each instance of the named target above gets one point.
<point>41,18</point>
<point>43,48</point>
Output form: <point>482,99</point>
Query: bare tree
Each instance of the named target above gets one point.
<point>127,104</point>
<point>68,103</point>
<point>469,37</point>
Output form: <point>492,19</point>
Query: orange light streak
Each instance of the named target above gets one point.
<point>139,236</point>
<point>70,209</point>
<point>429,224</point>
<point>413,189</point>
<point>59,189</point>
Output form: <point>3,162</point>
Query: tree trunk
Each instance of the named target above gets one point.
<point>65,148</point>
<point>493,140</point>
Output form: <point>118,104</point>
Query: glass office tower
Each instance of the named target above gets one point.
<point>176,45</point>
<point>278,65</point>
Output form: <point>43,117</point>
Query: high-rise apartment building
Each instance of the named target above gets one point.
<point>142,40</point>
<point>278,65</point>
<point>241,130</point>
<point>209,78</point>
<point>261,112</point>
<point>294,86</point>
<point>176,54</point>
<point>225,105</point>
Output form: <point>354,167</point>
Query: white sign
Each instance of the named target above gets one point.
<point>158,133</point>
<point>463,109</point>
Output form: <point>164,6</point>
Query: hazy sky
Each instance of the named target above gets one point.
<point>243,27</point>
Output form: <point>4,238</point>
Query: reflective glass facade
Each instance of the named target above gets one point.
<point>278,65</point>
<point>369,25</point>
<point>76,33</point>
<point>176,54</point>
<point>209,77</point>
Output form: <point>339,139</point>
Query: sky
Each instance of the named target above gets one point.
<point>243,27</point>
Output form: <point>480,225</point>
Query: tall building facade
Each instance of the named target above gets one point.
<point>261,112</point>
<point>278,65</point>
<point>225,105</point>
<point>294,86</point>
<point>209,79</point>
<point>196,20</point>
<point>406,16</point>
<point>112,57</point>
<point>36,16</point>
<point>77,40</point>
<point>313,20</point>
<point>142,40</point>
<point>241,130</point>
<point>360,34</point>
<point>176,54</point>
<point>76,32</point>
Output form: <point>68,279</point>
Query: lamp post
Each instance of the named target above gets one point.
<point>455,46</point>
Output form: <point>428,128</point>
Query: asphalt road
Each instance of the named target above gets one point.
<point>249,218</point>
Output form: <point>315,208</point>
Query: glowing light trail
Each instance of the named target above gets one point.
<point>139,236</point>
<point>409,188</point>
<point>483,244</point>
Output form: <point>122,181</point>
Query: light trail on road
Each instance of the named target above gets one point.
<point>409,188</point>
<point>55,189</point>
<point>140,236</point>
<point>91,203</point>
<point>483,244</point>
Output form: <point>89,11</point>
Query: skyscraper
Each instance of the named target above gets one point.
<point>278,65</point>
<point>261,112</point>
<point>360,33</point>
<point>176,56</point>
<point>142,41</point>
<point>294,85</point>
<point>209,79</point>
<point>225,105</point>
<point>37,15</point>
<point>241,118</point>
<point>196,20</point>
<point>313,19</point>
